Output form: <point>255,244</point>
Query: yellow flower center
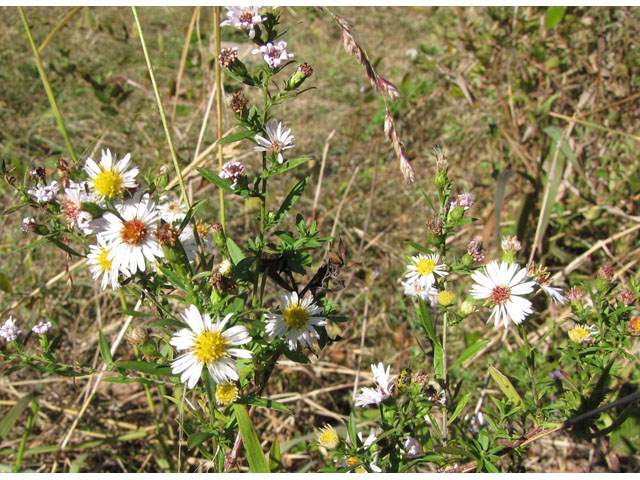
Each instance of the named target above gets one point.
<point>295,316</point>
<point>103,262</point>
<point>351,461</point>
<point>209,347</point>
<point>578,334</point>
<point>226,393</point>
<point>108,183</point>
<point>203,229</point>
<point>133,231</point>
<point>445,298</point>
<point>426,266</point>
<point>328,437</point>
<point>360,469</point>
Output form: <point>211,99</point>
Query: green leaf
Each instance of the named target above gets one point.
<point>554,16</point>
<point>140,366</point>
<point>143,381</point>
<point>275,460</point>
<point>286,166</point>
<point>65,247</point>
<point>105,350</point>
<point>172,277</point>
<point>216,180</point>
<point>463,401</point>
<point>5,284</point>
<point>266,403</point>
<point>40,241</point>
<point>291,200</point>
<point>420,248</point>
<point>255,456</point>
<point>235,252</point>
<point>506,386</point>
<point>351,429</point>
<point>236,137</point>
<point>7,422</point>
<point>197,438</point>
<point>426,321</point>
<point>469,352</point>
<point>133,313</point>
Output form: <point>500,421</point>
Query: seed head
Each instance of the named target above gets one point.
<point>166,235</point>
<point>238,102</point>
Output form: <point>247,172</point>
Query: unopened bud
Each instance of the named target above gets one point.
<point>627,297</point>
<point>441,179</point>
<point>456,214</point>
<point>466,260</point>
<point>137,336</point>
<point>467,308</point>
<point>606,273</point>
<point>303,72</point>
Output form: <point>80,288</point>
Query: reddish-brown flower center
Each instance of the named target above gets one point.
<point>246,17</point>
<point>276,146</point>
<point>500,295</point>
<point>133,231</point>
<point>71,210</point>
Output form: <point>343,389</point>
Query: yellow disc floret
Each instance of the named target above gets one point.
<point>295,316</point>
<point>209,346</point>
<point>578,334</point>
<point>108,183</point>
<point>445,298</point>
<point>226,393</point>
<point>328,437</point>
<point>103,262</point>
<point>425,266</point>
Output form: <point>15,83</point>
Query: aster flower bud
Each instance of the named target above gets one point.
<point>137,336</point>
<point>467,308</point>
<point>238,103</point>
<point>445,298</point>
<point>218,235</point>
<point>440,180</point>
<point>627,297</point>
<point>511,244</point>
<point>442,165</point>
<point>606,273</point>
<point>455,214</point>
<point>476,250</point>
<point>227,56</point>
<point>303,72</point>
<point>574,294</point>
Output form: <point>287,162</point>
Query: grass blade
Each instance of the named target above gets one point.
<point>255,456</point>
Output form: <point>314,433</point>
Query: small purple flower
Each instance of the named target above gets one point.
<point>45,193</point>
<point>232,171</point>
<point>9,331</point>
<point>28,224</point>
<point>476,250</point>
<point>42,328</point>
<point>275,55</point>
<point>556,375</point>
<point>464,200</point>
<point>244,18</point>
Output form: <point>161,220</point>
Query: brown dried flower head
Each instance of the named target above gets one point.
<point>238,102</point>
<point>166,235</point>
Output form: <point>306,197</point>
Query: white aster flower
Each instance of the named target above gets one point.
<point>296,320</point>
<point>275,55</point>
<point>382,377</point>
<point>131,238</point>
<point>188,239</point>
<point>111,177</point>
<point>9,331</point>
<point>45,193</point>
<point>429,295</point>
<point>99,264</point>
<point>232,171</point>
<point>555,293</point>
<point>42,328</point>
<point>71,207</point>
<point>384,387</point>
<point>244,18</point>
<point>502,284</point>
<point>208,344</point>
<point>422,269</point>
<point>412,447</point>
<point>171,209</point>
<point>279,139</point>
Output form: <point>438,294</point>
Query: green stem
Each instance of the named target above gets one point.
<point>216,32</point>
<point>531,364</point>
<point>47,87</point>
<point>445,381</point>
<point>25,436</point>
<point>163,117</point>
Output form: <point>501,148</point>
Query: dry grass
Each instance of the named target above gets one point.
<point>484,85</point>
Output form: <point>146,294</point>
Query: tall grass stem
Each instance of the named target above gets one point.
<point>47,87</point>
<point>216,30</point>
<point>163,116</point>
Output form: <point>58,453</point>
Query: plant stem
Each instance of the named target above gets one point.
<point>47,87</point>
<point>445,381</point>
<point>531,364</point>
<point>216,32</point>
<point>163,117</point>
<point>25,436</point>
